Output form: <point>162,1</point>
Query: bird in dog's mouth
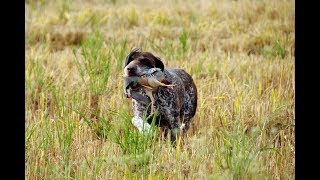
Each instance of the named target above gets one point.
<point>149,80</point>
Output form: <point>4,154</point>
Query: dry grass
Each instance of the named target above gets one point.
<point>240,54</point>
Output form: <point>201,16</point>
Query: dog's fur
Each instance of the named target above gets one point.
<point>176,106</point>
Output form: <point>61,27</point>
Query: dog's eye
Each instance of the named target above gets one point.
<point>146,62</point>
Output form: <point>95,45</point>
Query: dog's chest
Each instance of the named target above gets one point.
<point>170,98</point>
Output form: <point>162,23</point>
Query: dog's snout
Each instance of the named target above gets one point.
<point>130,70</point>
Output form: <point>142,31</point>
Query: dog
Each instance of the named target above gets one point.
<point>176,106</point>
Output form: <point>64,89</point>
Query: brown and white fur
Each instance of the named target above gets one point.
<point>176,106</point>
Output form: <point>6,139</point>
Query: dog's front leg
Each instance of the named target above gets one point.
<point>174,130</point>
<point>137,121</point>
<point>172,117</point>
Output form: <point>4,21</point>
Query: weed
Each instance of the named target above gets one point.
<point>183,40</point>
<point>237,150</point>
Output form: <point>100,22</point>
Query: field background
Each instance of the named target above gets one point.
<point>240,54</point>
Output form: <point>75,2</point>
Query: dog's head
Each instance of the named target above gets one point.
<point>138,63</point>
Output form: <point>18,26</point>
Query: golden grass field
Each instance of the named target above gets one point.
<point>240,54</point>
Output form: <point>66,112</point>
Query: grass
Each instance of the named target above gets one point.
<point>240,54</point>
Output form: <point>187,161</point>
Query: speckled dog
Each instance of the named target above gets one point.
<point>176,106</point>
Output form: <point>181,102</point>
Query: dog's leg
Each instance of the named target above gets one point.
<point>137,121</point>
<point>142,126</point>
<point>174,126</point>
<point>175,134</point>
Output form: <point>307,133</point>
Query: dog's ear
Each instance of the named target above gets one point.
<point>129,57</point>
<point>159,63</point>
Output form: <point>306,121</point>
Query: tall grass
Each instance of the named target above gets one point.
<point>240,54</point>
<point>95,64</point>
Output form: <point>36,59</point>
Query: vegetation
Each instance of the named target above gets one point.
<point>240,54</point>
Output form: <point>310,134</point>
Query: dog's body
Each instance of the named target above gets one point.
<point>176,106</point>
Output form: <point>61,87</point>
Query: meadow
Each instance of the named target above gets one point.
<point>239,52</point>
